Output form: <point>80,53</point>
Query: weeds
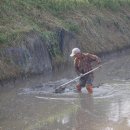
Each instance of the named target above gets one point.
<point>53,44</point>
<point>72,27</point>
<point>3,38</point>
<point>19,15</point>
<point>110,4</point>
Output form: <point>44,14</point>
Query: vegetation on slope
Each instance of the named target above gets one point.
<point>17,16</point>
<point>99,25</point>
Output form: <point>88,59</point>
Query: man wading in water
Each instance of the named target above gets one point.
<point>82,64</point>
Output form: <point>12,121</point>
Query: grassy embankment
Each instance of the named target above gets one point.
<point>17,17</point>
<point>20,16</point>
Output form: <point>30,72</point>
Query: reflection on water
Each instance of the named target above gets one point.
<point>85,113</point>
<point>68,111</point>
<point>27,105</point>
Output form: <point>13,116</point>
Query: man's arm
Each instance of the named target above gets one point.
<point>94,58</point>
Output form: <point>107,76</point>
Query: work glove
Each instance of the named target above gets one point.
<point>81,75</point>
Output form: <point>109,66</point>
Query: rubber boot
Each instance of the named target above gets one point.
<point>90,88</point>
<point>78,88</point>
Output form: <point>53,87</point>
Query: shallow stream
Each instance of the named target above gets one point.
<point>33,105</point>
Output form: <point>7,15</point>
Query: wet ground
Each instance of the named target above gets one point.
<point>34,105</point>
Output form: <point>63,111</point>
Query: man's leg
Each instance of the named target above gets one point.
<point>89,88</point>
<point>78,87</point>
<point>89,81</point>
<point>82,82</point>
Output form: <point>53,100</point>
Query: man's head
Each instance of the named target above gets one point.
<point>75,52</point>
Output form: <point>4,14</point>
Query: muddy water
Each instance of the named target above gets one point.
<point>33,105</point>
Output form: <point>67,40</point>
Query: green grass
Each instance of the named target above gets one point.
<point>110,4</point>
<point>3,38</point>
<point>72,27</point>
<point>57,6</point>
<point>53,44</point>
<point>17,16</point>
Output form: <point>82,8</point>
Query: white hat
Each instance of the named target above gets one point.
<point>75,51</point>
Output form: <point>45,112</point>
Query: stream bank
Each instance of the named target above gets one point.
<point>31,104</point>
